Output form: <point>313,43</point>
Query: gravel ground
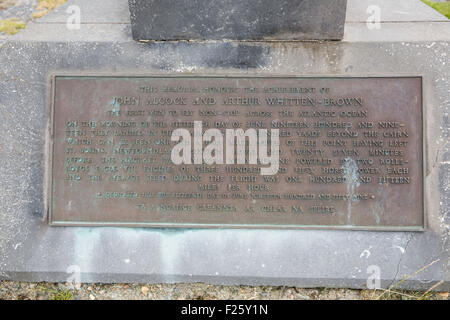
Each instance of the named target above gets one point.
<point>12,290</point>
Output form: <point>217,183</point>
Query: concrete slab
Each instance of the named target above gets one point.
<point>31,250</point>
<point>91,12</point>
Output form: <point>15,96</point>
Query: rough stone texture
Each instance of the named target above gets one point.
<point>30,250</point>
<point>237,20</point>
<point>20,9</point>
<point>12,290</point>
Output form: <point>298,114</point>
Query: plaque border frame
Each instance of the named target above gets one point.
<point>48,155</point>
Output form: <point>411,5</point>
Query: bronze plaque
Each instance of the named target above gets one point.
<point>345,152</point>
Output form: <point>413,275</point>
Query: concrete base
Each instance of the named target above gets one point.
<point>31,250</point>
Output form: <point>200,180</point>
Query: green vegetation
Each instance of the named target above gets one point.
<point>442,7</point>
<point>6,4</point>
<point>11,25</point>
<point>392,293</point>
<point>45,6</point>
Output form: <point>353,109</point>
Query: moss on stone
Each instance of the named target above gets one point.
<point>11,25</point>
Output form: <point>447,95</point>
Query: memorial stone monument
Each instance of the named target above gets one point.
<point>300,143</point>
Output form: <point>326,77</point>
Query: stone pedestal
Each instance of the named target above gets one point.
<point>412,40</point>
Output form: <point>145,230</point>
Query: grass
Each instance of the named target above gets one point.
<point>49,4</point>
<point>59,294</point>
<point>11,25</point>
<point>389,294</point>
<point>441,7</point>
<point>392,293</point>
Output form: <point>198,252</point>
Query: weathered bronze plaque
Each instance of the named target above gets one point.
<point>251,152</point>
